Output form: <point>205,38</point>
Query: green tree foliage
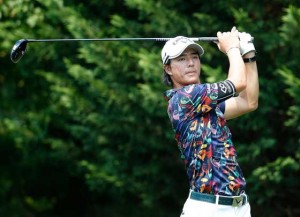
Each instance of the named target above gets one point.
<point>83,125</point>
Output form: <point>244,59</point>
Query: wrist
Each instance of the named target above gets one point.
<point>232,49</point>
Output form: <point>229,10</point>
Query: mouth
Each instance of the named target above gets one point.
<point>191,73</point>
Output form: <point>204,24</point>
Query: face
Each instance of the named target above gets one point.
<point>185,69</point>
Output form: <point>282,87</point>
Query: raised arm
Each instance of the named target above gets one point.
<point>247,100</point>
<point>229,43</point>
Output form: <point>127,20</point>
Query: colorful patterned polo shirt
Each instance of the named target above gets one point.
<point>204,140</point>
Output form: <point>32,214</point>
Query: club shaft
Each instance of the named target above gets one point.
<point>19,48</point>
<point>208,39</point>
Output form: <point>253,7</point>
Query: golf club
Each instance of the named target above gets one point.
<point>20,46</point>
<point>19,49</point>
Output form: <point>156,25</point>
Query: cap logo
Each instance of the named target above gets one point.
<point>181,39</point>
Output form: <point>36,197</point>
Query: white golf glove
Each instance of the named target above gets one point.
<point>246,44</point>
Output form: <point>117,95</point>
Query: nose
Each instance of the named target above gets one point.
<point>191,62</point>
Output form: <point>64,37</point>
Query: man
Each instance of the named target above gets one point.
<point>198,113</point>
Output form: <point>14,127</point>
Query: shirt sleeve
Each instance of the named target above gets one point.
<point>201,98</point>
<point>226,90</point>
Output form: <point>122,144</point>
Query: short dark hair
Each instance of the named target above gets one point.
<point>166,77</point>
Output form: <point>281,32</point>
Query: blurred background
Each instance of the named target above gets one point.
<point>83,125</point>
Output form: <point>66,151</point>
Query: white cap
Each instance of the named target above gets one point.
<point>175,46</point>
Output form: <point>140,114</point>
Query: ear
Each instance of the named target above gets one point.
<point>167,69</point>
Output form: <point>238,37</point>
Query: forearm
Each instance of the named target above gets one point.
<point>250,94</point>
<point>237,70</point>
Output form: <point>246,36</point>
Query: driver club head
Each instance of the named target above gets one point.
<point>18,50</point>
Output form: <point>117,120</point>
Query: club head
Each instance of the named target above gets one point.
<point>18,50</point>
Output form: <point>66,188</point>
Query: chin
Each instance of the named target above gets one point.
<point>193,81</point>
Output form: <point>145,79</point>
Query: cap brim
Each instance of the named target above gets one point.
<point>197,47</point>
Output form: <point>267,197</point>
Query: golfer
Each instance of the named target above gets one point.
<point>198,113</point>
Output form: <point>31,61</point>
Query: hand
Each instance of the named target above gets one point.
<point>228,41</point>
<point>246,44</point>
